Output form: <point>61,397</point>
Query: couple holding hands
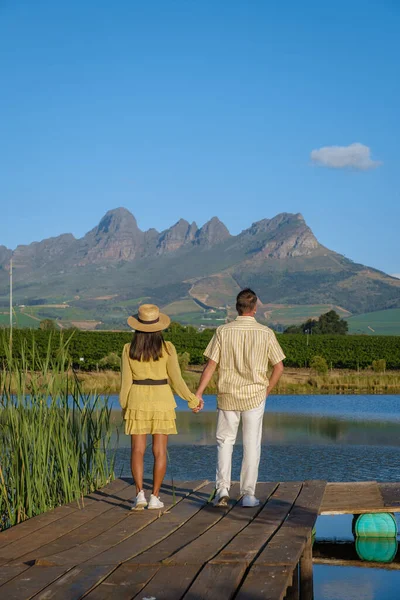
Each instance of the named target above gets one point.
<point>242,350</point>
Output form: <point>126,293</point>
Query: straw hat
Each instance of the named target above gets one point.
<point>149,319</point>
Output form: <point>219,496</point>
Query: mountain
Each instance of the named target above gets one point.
<point>198,267</point>
<point>116,238</point>
<point>176,236</point>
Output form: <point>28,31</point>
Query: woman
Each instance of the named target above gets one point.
<point>146,398</point>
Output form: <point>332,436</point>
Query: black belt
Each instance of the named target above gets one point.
<point>150,381</point>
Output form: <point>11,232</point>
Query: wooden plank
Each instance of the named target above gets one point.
<point>30,582</point>
<point>60,512</point>
<point>169,583</point>
<point>242,549</point>
<point>74,584</point>
<point>118,509</point>
<point>95,505</point>
<point>293,591</point>
<point>285,550</point>
<point>9,572</point>
<point>191,530</point>
<point>287,545</point>
<point>217,581</point>
<point>124,583</point>
<point>265,583</point>
<point>352,498</point>
<point>390,493</point>
<point>156,530</point>
<point>307,506</point>
<point>206,546</point>
<point>306,572</point>
<point>188,550</point>
<point>109,546</point>
<point>248,543</point>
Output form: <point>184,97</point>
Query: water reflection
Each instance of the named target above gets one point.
<point>287,427</point>
<point>349,583</point>
<point>338,558</point>
<point>368,550</point>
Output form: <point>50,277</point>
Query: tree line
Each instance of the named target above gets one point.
<point>329,323</point>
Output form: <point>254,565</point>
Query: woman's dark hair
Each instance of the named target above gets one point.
<point>147,346</point>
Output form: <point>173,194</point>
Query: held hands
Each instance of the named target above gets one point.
<point>200,405</point>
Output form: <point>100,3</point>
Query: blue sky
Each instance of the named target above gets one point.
<point>193,109</point>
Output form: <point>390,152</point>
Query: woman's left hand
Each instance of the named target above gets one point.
<point>200,405</point>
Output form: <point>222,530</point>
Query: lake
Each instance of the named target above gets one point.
<point>336,438</point>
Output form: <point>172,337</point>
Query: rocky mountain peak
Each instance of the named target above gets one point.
<point>176,236</point>
<point>269,225</point>
<point>213,232</point>
<point>40,254</point>
<point>289,236</point>
<point>117,220</point>
<point>117,237</point>
<point>5,255</point>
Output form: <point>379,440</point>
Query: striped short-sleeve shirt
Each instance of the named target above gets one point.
<point>243,350</point>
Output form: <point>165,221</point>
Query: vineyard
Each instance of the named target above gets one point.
<point>96,350</point>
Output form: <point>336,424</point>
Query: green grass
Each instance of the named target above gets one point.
<point>182,307</point>
<point>382,322</point>
<point>20,319</point>
<point>129,303</point>
<point>64,314</point>
<point>218,290</point>
<point>297,314</point>
<point>207,319</point>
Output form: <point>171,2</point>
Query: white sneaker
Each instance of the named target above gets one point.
<point>221,497</point>
<point>249,501</point>
<point>155,502</point>
<point>140,501</point>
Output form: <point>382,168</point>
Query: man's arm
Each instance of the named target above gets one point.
<point>206,375</point>
<point>277,371</point>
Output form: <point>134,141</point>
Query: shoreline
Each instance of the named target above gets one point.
<point>293,382</point>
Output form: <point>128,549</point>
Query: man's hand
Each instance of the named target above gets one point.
<point>200,405</point>
<point>277,371</point>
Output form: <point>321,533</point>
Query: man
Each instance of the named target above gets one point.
<point>243,350</point>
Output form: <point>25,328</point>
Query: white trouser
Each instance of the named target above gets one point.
<point>227,428</point>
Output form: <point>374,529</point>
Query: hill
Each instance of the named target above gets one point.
<point>382,322</point>
<point>115,266</point>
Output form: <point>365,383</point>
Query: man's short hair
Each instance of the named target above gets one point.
<point>246,301</point>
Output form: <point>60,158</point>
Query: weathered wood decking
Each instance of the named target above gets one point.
<point>190,550</point>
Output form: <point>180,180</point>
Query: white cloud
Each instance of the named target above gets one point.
<point>355,156</point>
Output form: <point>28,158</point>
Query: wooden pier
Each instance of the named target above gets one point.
<point>99,549</point>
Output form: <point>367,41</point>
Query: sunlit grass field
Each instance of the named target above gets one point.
<point>297,314</point>
<point>382,322</point>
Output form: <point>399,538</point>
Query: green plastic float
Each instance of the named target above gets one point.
<point>375,525</point>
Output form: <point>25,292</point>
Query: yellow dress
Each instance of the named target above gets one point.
<point>151,408</point>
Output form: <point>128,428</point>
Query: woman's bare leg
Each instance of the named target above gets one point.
<point>160,442</point>
<point>138,448</point>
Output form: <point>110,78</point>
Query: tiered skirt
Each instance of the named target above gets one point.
<point>139,421</point>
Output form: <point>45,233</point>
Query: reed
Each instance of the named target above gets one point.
<point>55,440</point>
<point>294,381</point>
